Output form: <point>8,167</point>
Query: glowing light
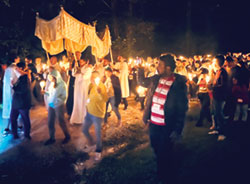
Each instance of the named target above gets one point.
<point>141,90</point>
<point>181,57</point>
<point>44,66</point>
<point>97,80</point>
<point>42,84</point>
<point>190,76</point>
<point>130,60</point>
<point>209,55</point>
<point>208,78</point>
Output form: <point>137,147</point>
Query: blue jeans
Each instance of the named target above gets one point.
<point>218,106</point>
<point>88,121</point>
<point>111,100</point>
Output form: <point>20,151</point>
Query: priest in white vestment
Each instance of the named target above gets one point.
<point>82,79</point>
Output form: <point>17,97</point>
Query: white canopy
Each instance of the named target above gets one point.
<point>66,32</point>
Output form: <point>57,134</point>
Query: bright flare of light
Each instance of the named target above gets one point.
<point>181,57</point>
<point>42,84</point>
<point>190,76</point>
<point>130,60</point>
<point>61,64</point>
<point>207,78</point>
<point>44,66</point>
<point>97,80</point>
<point>140,90</point>
<point>209,55</point>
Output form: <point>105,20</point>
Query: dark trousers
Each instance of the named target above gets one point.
<point>59,113</point>
<point>163,149</point>
<point>70,100</point>
<point>26,121</point>
<point>124,100</point>
<point>141,100</point>
<point>218,106</point>
<point>205,108</point>
<point>111,100</point>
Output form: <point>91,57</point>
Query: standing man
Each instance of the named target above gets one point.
<point>71,84</point>
<point>220,88</point>
<point>21,102</point>
<point>9,79</point>
<point>124,80</point>
<point>82,79</point>
<point>165,112</point>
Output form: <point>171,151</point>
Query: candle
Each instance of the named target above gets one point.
<point>97,80</point>
<point>42,84</point>
<point>207,78</point>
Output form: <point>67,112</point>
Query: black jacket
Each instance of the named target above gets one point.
<point>22,94</point>
<point>117,89</point>
<point>176,104</point>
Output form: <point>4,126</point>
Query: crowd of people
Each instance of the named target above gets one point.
<point>90,92</point>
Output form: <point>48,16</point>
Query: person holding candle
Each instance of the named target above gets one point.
<point>82,79</point>
<point>56,93</point>
<point>219,90</point>
<point>21,102</point>
<point>97,98</point>
<point>203,95</point>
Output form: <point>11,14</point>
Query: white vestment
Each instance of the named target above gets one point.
<point>124,79</point>
<point>7,90</point>
<point>82,81</point>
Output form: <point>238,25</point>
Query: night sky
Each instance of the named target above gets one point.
<point>210,26</point>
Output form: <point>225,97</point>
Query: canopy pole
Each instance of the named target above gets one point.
<point>47,54</point>
<point>111,55</point>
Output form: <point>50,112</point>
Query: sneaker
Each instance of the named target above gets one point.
<point>213,132</point>
<point>66,140</point>
<point>89,149</point>
<point>98,156</point>
<point>221,137</point>
<point>49,141</point>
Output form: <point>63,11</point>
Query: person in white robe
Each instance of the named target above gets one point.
<point>124,73</point>
<point>82,80</point>
<point>8,80</point>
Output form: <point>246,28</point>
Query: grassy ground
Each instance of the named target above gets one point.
<point>128,157</point>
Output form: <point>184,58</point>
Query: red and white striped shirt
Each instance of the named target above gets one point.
<point>159,98</point>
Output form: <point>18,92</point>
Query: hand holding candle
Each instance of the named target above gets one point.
<point>97,80</point>
<point>42,84</point>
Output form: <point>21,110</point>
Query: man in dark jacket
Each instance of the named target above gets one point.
<point>165,112</point>
<point>219,88</point>
<point>113,87</point>
<point>21,102</point>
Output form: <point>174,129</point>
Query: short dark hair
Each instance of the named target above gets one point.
<point>229,59</point>
<point>21,65</point>
<point>108,69</point>
<point>169,60</point>
<point>221,59</point>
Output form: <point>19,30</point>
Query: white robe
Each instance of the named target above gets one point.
<point>7,90</point>
<point>124,79</point>
<point>82,81</point>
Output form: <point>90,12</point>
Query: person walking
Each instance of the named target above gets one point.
<point>56,98</point>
